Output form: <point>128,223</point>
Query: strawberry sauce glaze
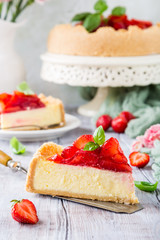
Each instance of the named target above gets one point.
<point>19,102</point>
<point>120,22</point>
<point>108,157</point>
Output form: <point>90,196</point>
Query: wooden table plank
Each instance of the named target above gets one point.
<point>64,220</point>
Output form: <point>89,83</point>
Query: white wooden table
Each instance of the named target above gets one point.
<point>64,220</point>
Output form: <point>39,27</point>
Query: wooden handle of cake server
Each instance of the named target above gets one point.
<point>4,158</point>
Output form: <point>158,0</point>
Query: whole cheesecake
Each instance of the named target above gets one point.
<point>104,42</point>
<point>115,35</point>
<point>102,174</point>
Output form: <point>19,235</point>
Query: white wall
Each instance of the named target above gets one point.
<point>31,39</point>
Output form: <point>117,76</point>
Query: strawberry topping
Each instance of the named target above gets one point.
<point>69,152</point>
<point>109,156</point>
<point>82,141</point>
<point>18,102</point>
<point>112,150</point>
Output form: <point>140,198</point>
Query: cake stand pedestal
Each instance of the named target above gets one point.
<point>101,72</point>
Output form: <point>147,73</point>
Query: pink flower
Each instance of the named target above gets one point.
<point>138,144</point>
<point>151,135</point>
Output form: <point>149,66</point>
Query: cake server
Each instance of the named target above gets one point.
<point>7,161</point>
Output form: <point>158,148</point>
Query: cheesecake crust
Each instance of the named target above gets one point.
<point>105,42</point>
<point>49,149</point>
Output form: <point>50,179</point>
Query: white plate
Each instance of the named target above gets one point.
<point>41,135</point>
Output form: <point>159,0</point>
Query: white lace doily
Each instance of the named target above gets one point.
<point>101,71</point>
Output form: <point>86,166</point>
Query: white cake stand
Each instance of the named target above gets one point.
<point>101,72</point>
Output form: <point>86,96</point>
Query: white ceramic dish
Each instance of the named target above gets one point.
<point>72,122</point>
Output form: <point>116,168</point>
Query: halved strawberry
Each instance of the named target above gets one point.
<point>69,152</point>
<point>112,150</point>
<point>24,211</point>
<point>138,159</point>
<point>82,141</point>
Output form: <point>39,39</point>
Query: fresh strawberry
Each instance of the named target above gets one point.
<point>24,211</point>
<point>69,152</point>
<point>127,115</point>
<point>82,141</point>
<point>104,121</point>
<point>138,159</point>
<point>119,124</point>
<point>112,150</point>
<point>55,158</point>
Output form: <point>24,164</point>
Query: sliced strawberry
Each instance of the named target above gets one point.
<point>119,124</point>
<point>127,115</point>
<point>69,152</point>
<point>112,150</point>
<point>141,24</point>
<point>85,158</point>
<point>82,141</point>
<point>24,212</point>
<point>138,159</point>
<point>56,158</point>
<point>118,22</point>
<point>108,164</point>
<point>104,121</point>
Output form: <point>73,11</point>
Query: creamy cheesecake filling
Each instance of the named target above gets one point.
<point>87,182</point>
<point>51,114</point>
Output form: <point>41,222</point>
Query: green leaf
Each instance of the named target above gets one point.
<point>17,147</point>
<point>92,22</point>
<point>99,135</point>
<point>24,88</point>
<point>146,186</point>
<point>80,16</point>
<point>100,6</point>
<point>91,146</point>
<point>118,11</point>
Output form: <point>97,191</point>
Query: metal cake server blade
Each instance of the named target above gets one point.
<point>7,161</point>
<point>110,206</point>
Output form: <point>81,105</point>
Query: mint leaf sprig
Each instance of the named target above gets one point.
<point>91,21</point>
<point>146,186</point>
<point>118,11</point>
<point>24,88</point>
<point>16,146</point>
<point>99,139</point>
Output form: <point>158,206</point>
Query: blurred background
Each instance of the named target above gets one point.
<point>32,38</point>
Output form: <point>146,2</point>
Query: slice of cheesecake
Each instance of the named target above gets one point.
<point>102,174</point>
<point>19,109</point>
